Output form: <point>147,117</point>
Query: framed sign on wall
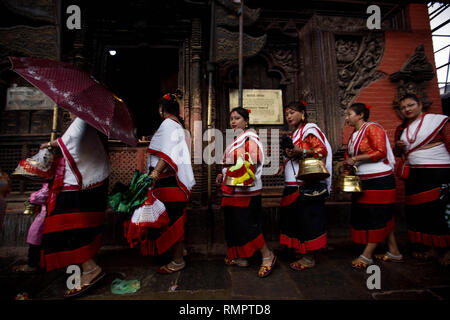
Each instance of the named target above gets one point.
<point>266,105</point>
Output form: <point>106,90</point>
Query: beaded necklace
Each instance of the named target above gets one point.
<point>414,137</point>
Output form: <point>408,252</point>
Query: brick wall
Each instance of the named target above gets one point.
<point>399,47</point>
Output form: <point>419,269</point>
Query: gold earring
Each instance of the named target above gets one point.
<point>303,117</point>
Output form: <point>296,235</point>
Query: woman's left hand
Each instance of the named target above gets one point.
<point>45,145</point>
<point>348,162</point>
<point>294,152</point>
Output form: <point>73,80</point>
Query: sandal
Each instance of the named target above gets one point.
<point>389,257</point>
<point>302,264</point>
<point>24,268</point>
<point>445,260</point>
<point>243,263</point>
<point>78,291</point>
<point>171,267</point>
<point>424,256</point>
<point>264,271</point>
<point>361,262</point>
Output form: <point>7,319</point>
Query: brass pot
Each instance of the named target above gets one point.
<point>312,169</point>
<point>230,181</point>
<point>349,184</point>
<point>30,208</point>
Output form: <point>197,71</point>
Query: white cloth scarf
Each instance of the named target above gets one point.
<point>430,127</point>
<point>239,142</point>
<point>370,167</point>
<point>170,143</point>
<point>291,167</point>
<point>86,159</point>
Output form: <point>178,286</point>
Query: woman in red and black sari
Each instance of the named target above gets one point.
<point>76,204</point>
<point>302,222</point>
<point>423,140</point>
<point>243,212</point>
<point>169,166</point>
<point>372,211</point>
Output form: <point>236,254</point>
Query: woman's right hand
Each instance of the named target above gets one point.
<point>45,145</point>
<point>219,179</point>
<point>280,171</point>
<point>400,145</point>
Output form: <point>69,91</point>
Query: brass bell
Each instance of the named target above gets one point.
<point>312,169</point>
<point>30,208</point>
<point>349,183</point>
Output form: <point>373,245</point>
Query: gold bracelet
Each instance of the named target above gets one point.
<point>49,146</point>
<point>154,175</point>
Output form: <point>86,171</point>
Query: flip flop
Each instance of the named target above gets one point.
<point>76,292</point>
<point>168,269</point>
<point>236,262</point>
<point>264,271</point>
<point>299,265</point>
<point>423,256</point>
<point>24,268</point>
<point>361,262</point>
<point>389,257</point>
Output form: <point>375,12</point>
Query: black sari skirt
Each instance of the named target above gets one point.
<point>155,241</point>
<point>73,230</point>
<point>426,205</point>
<point>244,220</point>
<point>302,222</point>
<point>372,211</point>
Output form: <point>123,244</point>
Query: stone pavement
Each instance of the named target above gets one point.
<point>207,278</point>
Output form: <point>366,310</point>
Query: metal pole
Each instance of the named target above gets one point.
<point>210,95</point>
<point>58,30</point>
<point>241,44</point>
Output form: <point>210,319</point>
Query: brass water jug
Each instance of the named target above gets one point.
<point>230,181</point>
<point>349,183</point>
<point>30,208</point>
<point>312,169</point>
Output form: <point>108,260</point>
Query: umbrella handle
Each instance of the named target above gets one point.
<point>55,123</point>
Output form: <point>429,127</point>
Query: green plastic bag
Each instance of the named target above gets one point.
<point>119,286</point>
<point>124,199</point>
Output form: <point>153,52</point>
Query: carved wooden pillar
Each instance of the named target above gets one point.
<point>196,108</point>
<point>319,79</point>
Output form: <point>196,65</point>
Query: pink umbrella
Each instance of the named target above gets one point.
<point>78,92</point>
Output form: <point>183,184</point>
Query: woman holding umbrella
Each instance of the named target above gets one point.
<point>76,203</point>
<point>161,228</point>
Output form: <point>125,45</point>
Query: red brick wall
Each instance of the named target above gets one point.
<point>399,47</point>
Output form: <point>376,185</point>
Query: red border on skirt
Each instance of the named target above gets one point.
<point>423,197</point>
<point>65,258</point>
<point>169,194</point>
<point>235,201</point>
<point>166,240</point>
<point>73,220</point>
<point>289,199</point>
<point>303,247</point>
<point>372,236</point>
<point>246,250</point>
<point>441,241</point>
<point>378,197</point>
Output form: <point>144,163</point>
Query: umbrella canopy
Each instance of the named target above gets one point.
<point>78,92</point>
